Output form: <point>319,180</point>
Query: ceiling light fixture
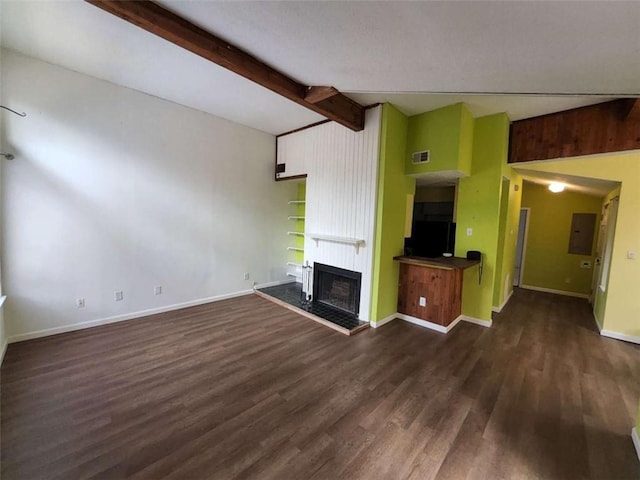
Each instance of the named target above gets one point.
<point>556,187</point>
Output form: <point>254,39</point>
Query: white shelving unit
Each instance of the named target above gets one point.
<point>294,265</point>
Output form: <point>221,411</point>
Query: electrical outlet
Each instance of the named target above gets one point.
<point>246,275</point>
<point>567,280</point>
<point>157,290</point>
<point>80,303</point>
<point>469,231</point>
<point>423,301</point>
<point>118,295</point>
<point>631,254</point>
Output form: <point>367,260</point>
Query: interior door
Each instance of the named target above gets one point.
<point>520,246</point>
<point>601,280</point>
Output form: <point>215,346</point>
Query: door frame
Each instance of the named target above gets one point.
<point>524,242</point>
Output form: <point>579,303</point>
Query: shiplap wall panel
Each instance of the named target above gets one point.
<point>341,197</point>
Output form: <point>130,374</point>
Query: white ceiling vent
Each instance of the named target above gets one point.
<point>420,157</point>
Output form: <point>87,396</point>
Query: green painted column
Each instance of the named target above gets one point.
<point>393,188</point>
<point>478,218</point>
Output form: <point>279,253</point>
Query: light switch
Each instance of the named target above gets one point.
<point>469,231</point>
<point>423,301</point>
<point>631,254</point>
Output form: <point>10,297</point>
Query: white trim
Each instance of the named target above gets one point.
<point>557,292</point>
<point>524,243</point>
<point>3,298</point>
<point>440,328</point>
<point>506,300</point>
<point>636,441</point>
<point>458,319</point>
<point>620,336</point>
<point>595,319</point>
<point>385,320</point>
<point>4,350</point>
<point>477,321</point>
<point>422,323</point>
<point>434,326</point>
<point>120,318</point>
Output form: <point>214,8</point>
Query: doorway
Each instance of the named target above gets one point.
<point>521,246</point>
<point>604,251</point>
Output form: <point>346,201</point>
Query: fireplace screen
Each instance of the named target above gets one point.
<point>337,287</point>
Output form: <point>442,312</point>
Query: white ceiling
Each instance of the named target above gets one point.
<point>402,52</point>
<point>588,186</point>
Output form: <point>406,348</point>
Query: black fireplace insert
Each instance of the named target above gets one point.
<point>337,288</point>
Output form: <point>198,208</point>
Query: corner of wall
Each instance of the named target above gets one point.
<point>479,212</point>
<point>393,187</point>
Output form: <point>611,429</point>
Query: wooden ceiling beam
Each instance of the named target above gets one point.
<point>165,24</point>
<point>319,94</point>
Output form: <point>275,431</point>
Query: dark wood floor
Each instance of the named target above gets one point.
<point>246,389</point>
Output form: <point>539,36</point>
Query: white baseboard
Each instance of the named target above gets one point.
<point>477,321</point>
<point>620,336</point>
<point>121,318</point>
<point>384,321</point>
<point>274,284</point>
<point>504,304</point>
<point>557,292</point>
<point>4,350</point>
<point>440,328</point>
<point>636,441</point>
<point>422,323</point>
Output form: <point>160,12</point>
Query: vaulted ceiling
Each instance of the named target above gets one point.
<point>546,56</point>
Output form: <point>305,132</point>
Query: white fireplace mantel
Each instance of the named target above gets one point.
<point>356,242</point>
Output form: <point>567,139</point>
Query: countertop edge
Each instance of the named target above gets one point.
<point>444,263</point>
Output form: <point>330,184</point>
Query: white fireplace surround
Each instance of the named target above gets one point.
<point>341,197</point>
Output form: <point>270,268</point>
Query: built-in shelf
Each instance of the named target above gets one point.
<point>296,249</point>
<point>294,264</point>
<point>356,242</point>
<point>295,233</point>
<point>296,202</point>
<point>295,217</point>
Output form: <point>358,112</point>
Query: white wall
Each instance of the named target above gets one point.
<point>341,198</point>
<point>112,189</point>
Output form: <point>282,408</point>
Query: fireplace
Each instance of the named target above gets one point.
<point>337,288</point>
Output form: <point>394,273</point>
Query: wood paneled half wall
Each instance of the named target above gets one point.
<point>605,127</point>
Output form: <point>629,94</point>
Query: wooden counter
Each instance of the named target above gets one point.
<point>446,263</point>
<point>438,281</point>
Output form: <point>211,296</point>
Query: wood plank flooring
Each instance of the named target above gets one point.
<point>244,388</point>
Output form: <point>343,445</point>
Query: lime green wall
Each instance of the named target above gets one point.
<point>479,208</point>
<point>502,227</point>
<point>393,188</point>
<point>447,133</point>
<point>547,261</point>
<point>298,257</point>
<point>622,308</point>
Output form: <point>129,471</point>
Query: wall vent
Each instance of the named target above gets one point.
<point>420,157</point>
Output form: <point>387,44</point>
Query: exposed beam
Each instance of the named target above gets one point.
<point>165,24</point>
<point>319,94</point>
